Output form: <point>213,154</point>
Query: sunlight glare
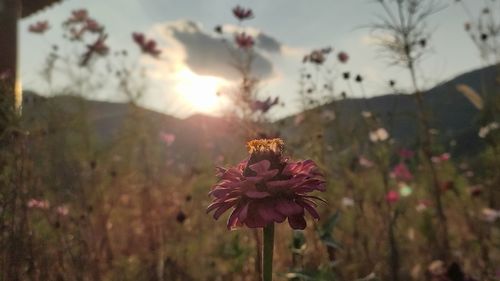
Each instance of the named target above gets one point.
<point>199,92</point>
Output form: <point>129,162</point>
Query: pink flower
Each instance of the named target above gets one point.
<point>38,204</point>
<point>343,57</point>
<point>147,46</point>
<point>401,173</point>
<point>167,138</point>
<point>39,27</point>
<point>392,196</point>
<point>406,153</point>
<point>244,41</point>
<point>365,162</point>
<point>242,14</point>
<point>266,188</point>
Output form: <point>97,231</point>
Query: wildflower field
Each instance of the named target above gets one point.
<point>140,148</point>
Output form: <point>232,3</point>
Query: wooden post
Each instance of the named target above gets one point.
<point>10,93</point>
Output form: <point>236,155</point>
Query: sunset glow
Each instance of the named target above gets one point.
<point>198,92</point>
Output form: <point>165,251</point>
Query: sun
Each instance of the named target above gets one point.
<point>199,93</point>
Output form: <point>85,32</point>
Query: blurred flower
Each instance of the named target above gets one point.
<point>440,158</point>
<point>244,41</point>
<point>328,115</point>
<point>359,78</point>
<point>98,47</point>
<point>379,135</point>
<point>78,16</point>
<point>242,14</point>
<point>485,130</point>
<point>346,75</point>
<point>392,196</point>
<point>147,46</point>
<point>364,162</point>
<point>267,188</point>
<point>347,202</point>
<point>422,205</point>
<point>39,27</point>
<point>167,138</point>
<point>38,204</point>
<point>366,114</point>
<point>265,105</point>
<point>475,190</point>
<point>93,26</point>
<point>317,57</point>
<point>405,190</point>
<point>62,210</point>
<point>401,173</point>
<point>406,153</point>
<point>343,57</point>
<point>490,215</point>
<point>437,268</point>
<point>392,83</point>
<point>447,185</point>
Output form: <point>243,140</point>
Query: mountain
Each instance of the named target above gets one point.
<point>451,114</point>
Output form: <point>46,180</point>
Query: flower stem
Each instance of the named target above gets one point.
<point>267,273</point>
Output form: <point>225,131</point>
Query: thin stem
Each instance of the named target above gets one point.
<point>267,274</point>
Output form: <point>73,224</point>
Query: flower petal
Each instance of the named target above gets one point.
<point>297,222</point>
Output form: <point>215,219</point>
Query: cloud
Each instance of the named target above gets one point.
<point>207,53</point>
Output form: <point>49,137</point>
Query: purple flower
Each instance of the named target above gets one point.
<point>267,188</point>
<point>265,105</point>
<point>343,57</point>
<point>148,46</point>
<point>244,41</point>
<point>242,13</point>
<point>39,27</point>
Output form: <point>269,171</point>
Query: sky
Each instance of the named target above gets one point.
<point>193,66</point>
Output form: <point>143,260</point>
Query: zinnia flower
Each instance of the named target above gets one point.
<point>267,188</point>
